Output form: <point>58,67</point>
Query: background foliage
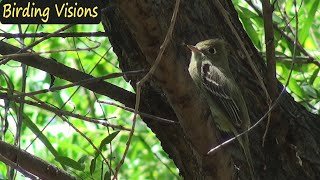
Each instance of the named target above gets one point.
<point>305,83</point>
<point>146,159</point>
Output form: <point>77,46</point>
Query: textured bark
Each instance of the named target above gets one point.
<point>137,29</point>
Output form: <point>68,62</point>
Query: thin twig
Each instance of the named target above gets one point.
<point>299,59</point>
<point>23,89</point>
<point>63,35</point>
<point>48,52</point>
<point>4,61</point>
<point>81,82</point>
<point>60,112</point>
<point>270,48</point>
<point>253,126</point>
<point>140,113</point>
<point>24,69</point>
<point>144,79</point>
<point>270,56</point>
<point>101,108</point>
<point>295,42</point>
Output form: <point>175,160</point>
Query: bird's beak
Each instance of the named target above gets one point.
<point>194,49</point>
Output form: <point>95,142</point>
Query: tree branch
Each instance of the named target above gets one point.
<point>64,72</point>
<point>270,48</point>
<point>32,164</point>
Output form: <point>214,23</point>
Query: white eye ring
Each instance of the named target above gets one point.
<point>212,50</point>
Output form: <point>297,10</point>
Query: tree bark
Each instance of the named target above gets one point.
<point>137,28</point>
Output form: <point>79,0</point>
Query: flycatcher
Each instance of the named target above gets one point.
<point>209,69</point>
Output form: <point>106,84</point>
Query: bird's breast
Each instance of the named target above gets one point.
<point>193,70</point>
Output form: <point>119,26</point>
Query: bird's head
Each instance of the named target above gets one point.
<point>211,49</point>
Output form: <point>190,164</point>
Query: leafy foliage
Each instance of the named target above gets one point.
<point>47,135</point>
<point>305,81</point>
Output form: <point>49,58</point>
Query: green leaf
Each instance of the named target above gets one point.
<point>8,81</point>
<point>93,166</point>
<point>314,76</point>
<point>310,91</point>
<point>304,33</point>
<point>295,88</point>
<point>247,13</point>
<point>6,101</point>
<point>70,162</point>
<point>246,17</point>
<point>82,159</point>
<point>33,127</point>
<point>107,176</point>
<point>108,139</point>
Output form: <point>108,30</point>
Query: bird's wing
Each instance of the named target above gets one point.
<point>216,86</point>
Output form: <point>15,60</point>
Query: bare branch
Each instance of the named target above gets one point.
<point>16,167</point>
<point>270,48</point>
<point>32,164</point>
<point>81,82</point>
<point>63,35</point>
<point>140,113</point>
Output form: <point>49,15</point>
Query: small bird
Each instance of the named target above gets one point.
<point>209,69</point>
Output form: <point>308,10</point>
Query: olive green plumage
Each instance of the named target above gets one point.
<point>209,68</point>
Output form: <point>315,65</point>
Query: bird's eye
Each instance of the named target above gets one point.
<point>212,50</point>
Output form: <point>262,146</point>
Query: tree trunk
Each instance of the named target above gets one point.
<point>137,28</point>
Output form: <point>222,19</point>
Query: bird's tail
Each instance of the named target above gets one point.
<point>246,150</point>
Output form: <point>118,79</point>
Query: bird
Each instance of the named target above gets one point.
<point>209,69</point>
